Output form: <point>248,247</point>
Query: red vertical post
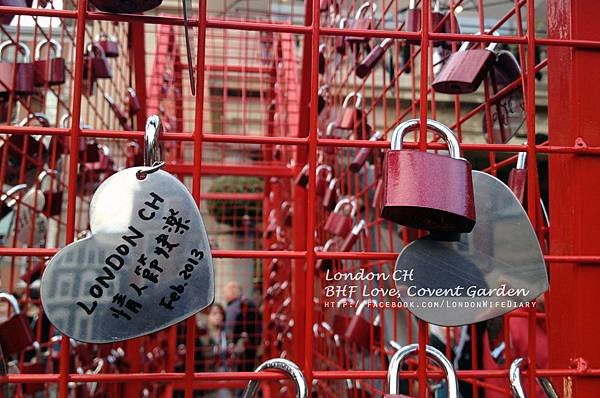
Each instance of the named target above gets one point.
<point>138,60</point>
<point>573,95</point>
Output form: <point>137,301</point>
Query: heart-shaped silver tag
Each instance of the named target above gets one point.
<point>495,269</point>
<point>146,265</point>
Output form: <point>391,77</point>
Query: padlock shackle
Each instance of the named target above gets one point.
<point>440,128</point>
<point>53,43</point>
<point>8,43</point>
<point>322,48</point>
<point>432,352</point>
<point>151,137</point>
<point>93,47</point>
<point>44,174</point>
<point>361,226</point>
<point>284,366</point>
<point>40,117</point>
<point>12,301</point>
<point>362,9</point>
<point>377,135</point>
<point>12,192</point>
<point>346,201</point>
<point>357,100</point>
<point>330,128</point>
<point>328,244</point>
<point>327,167</point>
<point>514,375</point>
<point>490,47</point>
<point>412,4</point>
<point>323,89</point>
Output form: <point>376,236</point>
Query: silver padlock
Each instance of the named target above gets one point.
<point>436,355</point>
<point>282,365</point>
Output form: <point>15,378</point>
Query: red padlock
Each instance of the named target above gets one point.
<point>366,65</point>
<point>53,198</point>
<point>341,321</point>
<point>412,21</point>
<point>438,23</point>
<point>428,191</point>
<point>353,236</point>
<point>15,333</point>
<point>340,221</point>
<point>133,102</point>
<point>339,41</point>
<point>36,146</point>
<point>361,156</point>
<point>331,194</point>
<point>49,71</point>
<point>362,22</point>
<point>23,82</point>
<point>350,116</point>
<point>110,45</point>
<point>437,356</point>
<point>359,329</point>
<point>509,110</point>
<point>35,366</point>
<point>97,63</point>
<point>517,178</point>
<point>324,174</point>
<point>287,213</point>
<point>464,70</point>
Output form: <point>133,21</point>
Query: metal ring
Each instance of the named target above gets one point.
<point>143,173</point>
<point>412,124</point>
<point>285,366</point>
<point>435,354</point>
<point>151,136</point>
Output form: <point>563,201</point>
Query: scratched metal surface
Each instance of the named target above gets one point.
<point>97,290</point>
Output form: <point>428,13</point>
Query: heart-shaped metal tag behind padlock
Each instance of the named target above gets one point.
<point>495,269</point>
<point>146,265</point>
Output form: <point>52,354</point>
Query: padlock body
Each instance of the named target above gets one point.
<point>134,105</point>
<point>23,83</point>
<point>340,45</point>
<point>15,334</point>
<point>361,24</point>
<point>338,224</point>
<point>33,368</point>
<point>110,47</point>
<point>329,199</point>
<point>347,118</point>
<point>463,72</point>
<point>101,68</point>
<point>412,23</point>
<point>51,72</point>
<point>428,191</point>
<point>359,332</point>
<point>517,182</point>
<point>125,7</point>
<point>366,65</point>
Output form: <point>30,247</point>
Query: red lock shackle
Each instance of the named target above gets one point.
<point>52,43</point>
<point>437,356</point>
<point>282,365</point>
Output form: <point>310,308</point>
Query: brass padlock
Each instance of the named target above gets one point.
<point>464,70</point>
<point>428,191</point>
<point>436,355</point>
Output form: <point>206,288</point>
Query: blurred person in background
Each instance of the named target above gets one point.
<point>243,327</point>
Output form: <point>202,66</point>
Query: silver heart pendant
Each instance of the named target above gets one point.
<point>146,266</point>
<point>495,269</point>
